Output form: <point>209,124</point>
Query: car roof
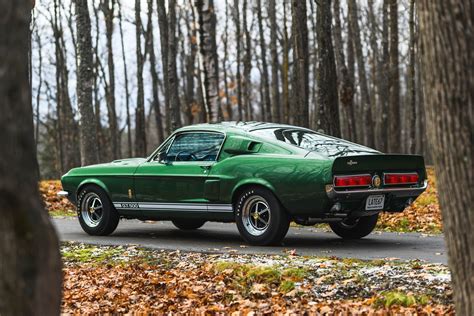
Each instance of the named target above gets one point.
<point>236,126</point>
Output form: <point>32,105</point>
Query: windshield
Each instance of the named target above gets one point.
<point>312,141</point>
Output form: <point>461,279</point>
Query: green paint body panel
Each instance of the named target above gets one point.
<point>296,176</point>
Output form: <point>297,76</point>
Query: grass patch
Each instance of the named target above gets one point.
<point>91,254</point>
<point>391,298</point>
<point>246,275</point>
<point>62,213</point>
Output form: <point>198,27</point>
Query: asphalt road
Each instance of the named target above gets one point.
<point>223,238</point>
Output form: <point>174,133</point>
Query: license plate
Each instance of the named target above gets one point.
<point>374,202</point>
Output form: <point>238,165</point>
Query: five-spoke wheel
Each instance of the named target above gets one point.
<point>97,215</point>
<point>260,218</point>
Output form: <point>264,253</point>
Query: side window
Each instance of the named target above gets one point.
<point>198,146</point>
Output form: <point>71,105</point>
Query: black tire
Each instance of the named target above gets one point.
<point>355,228</point>
<point>92,223</point>
<point>278,222</point>
<point>187,224</point>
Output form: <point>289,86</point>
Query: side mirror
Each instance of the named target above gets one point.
<point>162,157</point>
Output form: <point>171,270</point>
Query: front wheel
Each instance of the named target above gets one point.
<point>97,215</point>
<point>188,224</point>
<point>355,228</point>
<point>260,218</point>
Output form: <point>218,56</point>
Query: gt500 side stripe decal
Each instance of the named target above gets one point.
<point>193,207</point>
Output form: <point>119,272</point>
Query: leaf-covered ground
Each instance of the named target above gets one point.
<point>423,216</point>
<point>131,279</point>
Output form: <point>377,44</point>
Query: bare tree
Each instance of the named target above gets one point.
<point>301,62</point>
<point>206,40</point>
<point>446,29</point>
<point>346,85</point>
<point>68,150</point>
<point>267,115</point>
<point>411,104</point>
<point>108,8</point>
<point>175,106</point>
<point>88,138</point>
<point>30,280</point>
<point>286,111</point>
<point>383,87</point>
<point>394,82</point>
<point>247,80</point>
<point>364,89</point>
<point>225,40</point>
<point>163,25</point>
<point>140,133</point>
<point>127,92</point>
<point>154,73</point>
<point>236,15</point>
<point>167,24</point>
<point>328,105</point>
<point>275,92</point>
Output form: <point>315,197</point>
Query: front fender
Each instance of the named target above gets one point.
<point>92,181</point>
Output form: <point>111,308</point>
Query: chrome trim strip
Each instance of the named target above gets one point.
<point>63,193</point>
<point>197,207</point>
<point>384,190</point>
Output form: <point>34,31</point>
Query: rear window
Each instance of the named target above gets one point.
<point>312,141</point>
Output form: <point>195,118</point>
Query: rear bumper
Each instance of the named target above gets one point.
<point>396,199</point>
<point>361,194</point>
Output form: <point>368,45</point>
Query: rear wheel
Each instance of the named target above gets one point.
<point>260,218</point>
<point>186,224</point>
<point>355,228</point>
<point>97,215</point>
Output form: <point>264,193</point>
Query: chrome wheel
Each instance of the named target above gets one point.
<point>256,215</point>
<point>92,210</point>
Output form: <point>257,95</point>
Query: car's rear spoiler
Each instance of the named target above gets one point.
<point>380,163</point>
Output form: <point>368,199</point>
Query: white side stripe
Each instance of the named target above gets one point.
<point>193,207</point>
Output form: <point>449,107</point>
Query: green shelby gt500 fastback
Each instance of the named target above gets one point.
<point>260,175</point>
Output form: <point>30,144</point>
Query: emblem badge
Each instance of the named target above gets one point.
<point>376,181</point>
<point>352,162</point>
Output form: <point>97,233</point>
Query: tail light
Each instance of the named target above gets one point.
<point>400,178</point>
<point>361,180</point>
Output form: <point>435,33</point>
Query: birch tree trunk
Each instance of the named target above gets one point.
<point>446,29</point>
<point>88,139</point>
<point>30,264</point>
<point>208,61</point>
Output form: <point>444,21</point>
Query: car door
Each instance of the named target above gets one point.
<point>174,180</point>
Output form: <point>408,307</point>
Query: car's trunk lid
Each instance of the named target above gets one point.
<point>379,163</point>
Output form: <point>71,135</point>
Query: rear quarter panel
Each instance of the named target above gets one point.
<point>297,182</point>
